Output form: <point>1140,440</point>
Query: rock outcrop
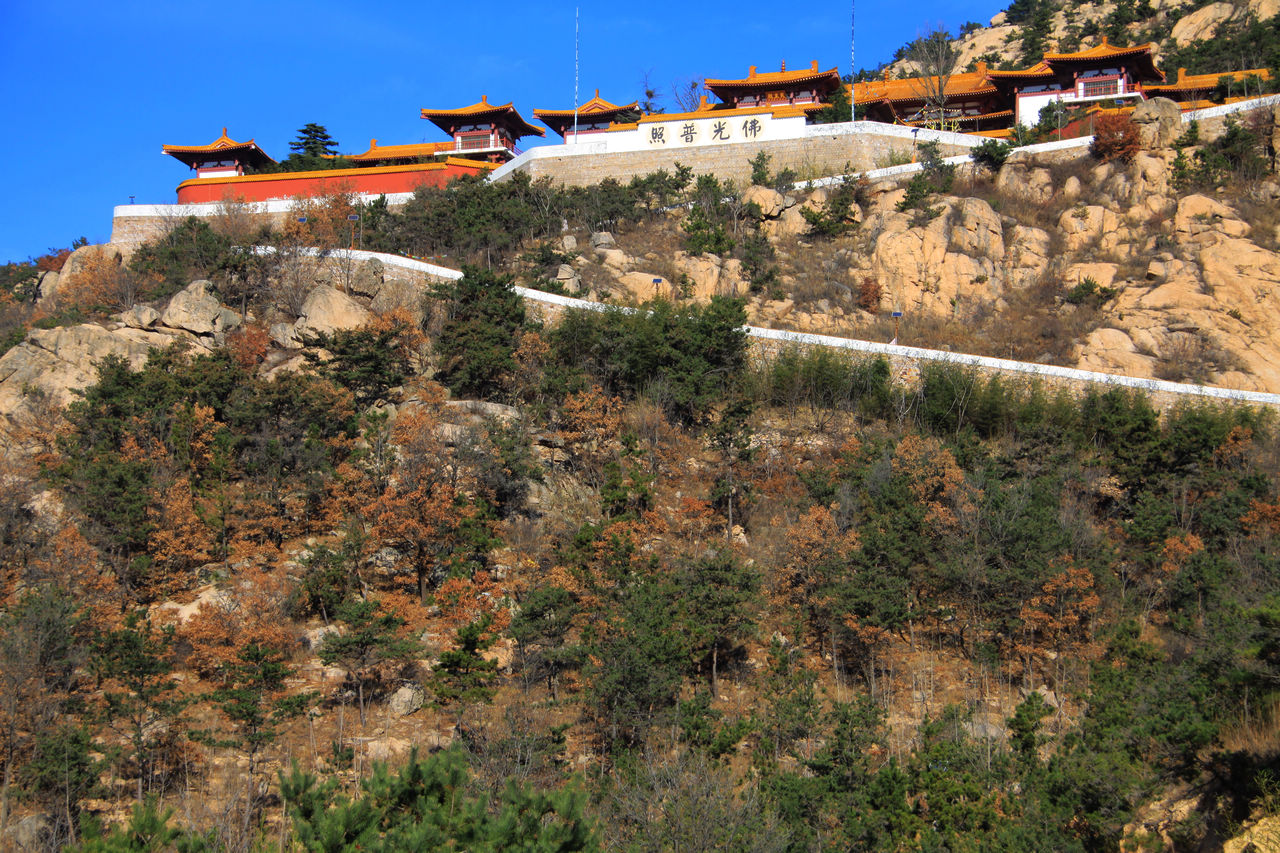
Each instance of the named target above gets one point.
<point>1159,122</point>
<point>327,310</point>
<point>198,311</point>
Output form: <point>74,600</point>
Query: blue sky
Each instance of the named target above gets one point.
<point>91,90</point>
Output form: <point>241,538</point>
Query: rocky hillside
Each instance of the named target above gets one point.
<point>624,586</point>
<point>1199,35</point>
<point>1126,266</point>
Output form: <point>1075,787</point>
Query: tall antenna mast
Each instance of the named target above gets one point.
<point>575,74</point>
<point>853,65</point>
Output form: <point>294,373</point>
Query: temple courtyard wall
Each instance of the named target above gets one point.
<point>816,151</point>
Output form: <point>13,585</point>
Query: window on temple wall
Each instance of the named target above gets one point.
<point>1100,88</point>
<point>474,139</point>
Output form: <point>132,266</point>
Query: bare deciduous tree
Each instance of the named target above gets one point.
<point>935,59</point>
<point>684,92</point>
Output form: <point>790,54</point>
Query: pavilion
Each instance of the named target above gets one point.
<point>805,88</point>
<point>224,157</point>
<point>483,131</point>
<point>595,115</point>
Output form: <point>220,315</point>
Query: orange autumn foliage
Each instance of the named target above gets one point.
<point>249,346</point>
<point>589,424</point>
<point>817,549</point>
<point>100,281</point>
<point>179,540</point>
<point>410,340</point>
<point>422,513</point>
<point>77,566</point>
<point>464,600</point>
<point>1262,518</point>
<point>1233,450</point>
<point>935,479</point>
<point>252,609</point>
<point>1058,621</point>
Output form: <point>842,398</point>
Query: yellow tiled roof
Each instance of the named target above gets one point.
<point>222,143</point>
<point>776,78</point>
<point>399,152</point>
<point>914,88</point>
<point>1106,50</point>
<point>596,104</point>
<point>484,108</point>
<point>1197,82</point>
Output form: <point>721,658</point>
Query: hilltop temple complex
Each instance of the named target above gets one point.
<point>770,106</point>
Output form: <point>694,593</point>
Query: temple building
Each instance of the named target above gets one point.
<point>483,130</point>
<point>805,88</point>
<point>594,116</point>
<point>758,107</point>
<point>226,169</point>
<point>973,103</point>
<point>224,157</point>
<point>985,100</point>
<point>1104,72</point>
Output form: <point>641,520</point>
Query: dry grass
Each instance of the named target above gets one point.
<point>1194,357</point>
<point>1256,731</point>
<point>1263,216</point>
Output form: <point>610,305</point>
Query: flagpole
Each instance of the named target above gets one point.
<point>575,75</point>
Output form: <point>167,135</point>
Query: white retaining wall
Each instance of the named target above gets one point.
<point>917,354</point>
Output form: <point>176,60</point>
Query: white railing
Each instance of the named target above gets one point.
<point>1047,371</point>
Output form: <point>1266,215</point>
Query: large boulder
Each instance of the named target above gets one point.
<point>642,286</point>
<point>1018,180</point>
<point>1148,176</point>
<point>198,311</point>
<point>396,293</point>
<point>1200,219</point>
<point>1159,122</point>
<point>87,258</point>
<point>366,278</point>
<point>47,287</point>
<point>1030,248</point>
<point>615,259</point>
<point>406,700</point>
<point>1201,24</point>
<point>568,278</point>
<point>791,223</point>
<point>327,310</point>
<point>770,201</point>
<point>140,317</point>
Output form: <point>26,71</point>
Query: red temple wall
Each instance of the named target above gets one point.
<point>385,179</point>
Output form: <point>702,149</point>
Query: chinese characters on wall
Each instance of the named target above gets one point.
<point>706,131</point>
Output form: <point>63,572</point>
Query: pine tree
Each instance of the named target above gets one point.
<point>312,150</point>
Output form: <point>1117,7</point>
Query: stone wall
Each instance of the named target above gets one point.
<point>823,150</point>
